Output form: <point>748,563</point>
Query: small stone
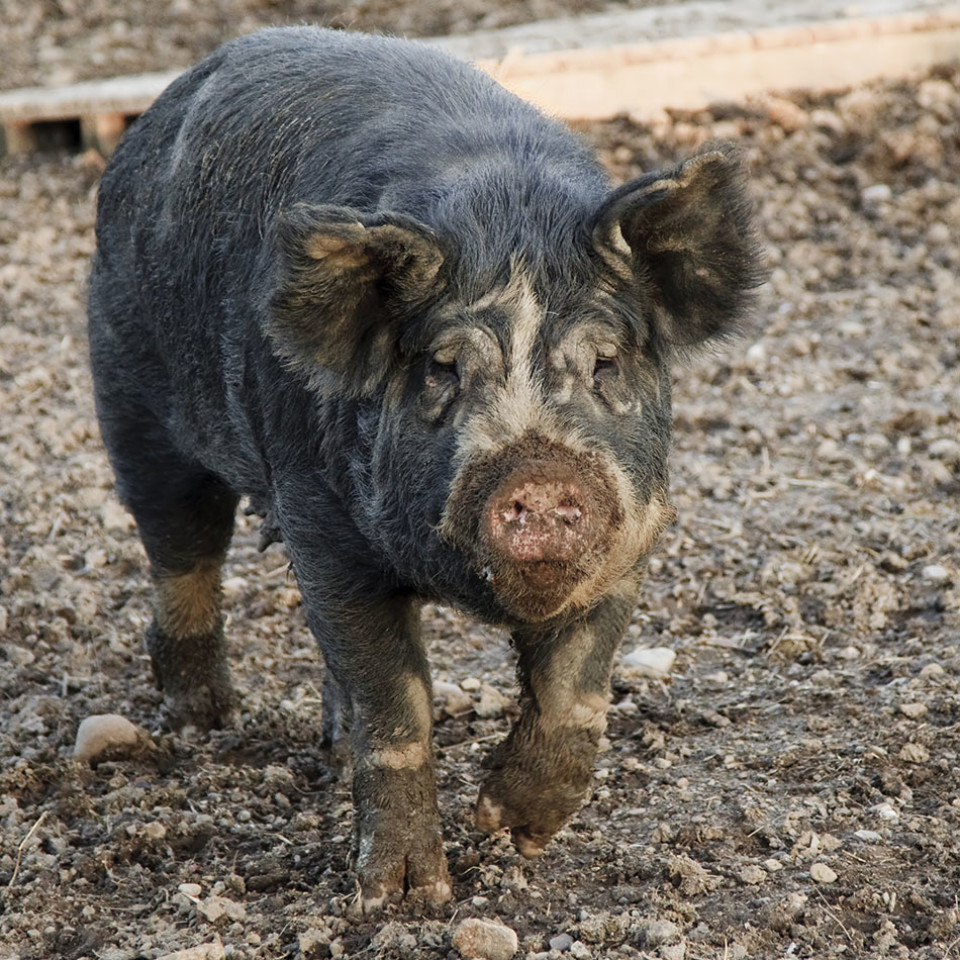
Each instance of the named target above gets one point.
<point>673,951</point>
<point>205,951</point>
<point>109,731</point>
<point>932,670</point>
<point>772,866</point>
<point>868,836</point>
<point>561,942</point>
<point>913,710</point>
<point>752,874</point>
<point>216,908</point>
<point>477,939</point>
<point>652,662</point>
<point>470,684</point>
<point>4,620</point>
<point>786,114</point>
<point>935,573</point>
<point>821,873</point>
<point>653,933</point>
<point>492,703</point>
<point>877,193</point>
<point>887,813</point>
<point>849,653</point>
<point>914,753</point>
<point>192,890</point>
<point>234,587</point>
<point>115,517</point>
<point>452,699</point>
<point>945,449</point>
<point>579,950</point>
<point>154,830</point>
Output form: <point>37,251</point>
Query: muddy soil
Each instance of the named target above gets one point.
<point>790,788</point>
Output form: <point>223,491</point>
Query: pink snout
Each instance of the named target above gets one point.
<point>539,514</point>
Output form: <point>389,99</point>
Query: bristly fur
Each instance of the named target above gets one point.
<point>406,314</point>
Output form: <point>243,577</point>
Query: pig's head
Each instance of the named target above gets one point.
<point>516,403</point>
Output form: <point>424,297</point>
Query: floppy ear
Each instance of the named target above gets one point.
<point>689,237</point>
<point>343,282</point>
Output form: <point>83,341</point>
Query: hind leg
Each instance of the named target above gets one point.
<point>185,517</point>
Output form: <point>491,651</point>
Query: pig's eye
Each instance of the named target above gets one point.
<point>443,371</point>
<point>605,369</point>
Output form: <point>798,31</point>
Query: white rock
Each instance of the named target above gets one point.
<point>477,939</point>
<point>821,873</point>
<point>944,449</point>
<point>935,573</point>
<point>192,890</point>
<point>653,662</point>
<point>234,587</point>
<point>106,730</point>
<point>886,811</point>
<point>913,710</point>
<point>492,702</point>
<point>878,193</point>
<point>470,684</point>
<point>451,698</point>
<point>932,670</point>
<point>4,619</point>
<point>868,836</point>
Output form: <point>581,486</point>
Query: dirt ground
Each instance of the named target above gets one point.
<point>790,789</point>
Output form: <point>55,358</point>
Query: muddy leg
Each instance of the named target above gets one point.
<point>541,774</point>
<point>372,647</point>
<point>185,516</point>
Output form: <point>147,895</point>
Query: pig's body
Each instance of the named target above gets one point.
<point>403,312</point>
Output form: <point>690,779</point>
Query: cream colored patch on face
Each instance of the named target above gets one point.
<point>188,604</point>
<point>635,538</point>
<point>515,405</point>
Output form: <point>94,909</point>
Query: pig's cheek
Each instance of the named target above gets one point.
<point>539,779</point>
<point>399,844</point>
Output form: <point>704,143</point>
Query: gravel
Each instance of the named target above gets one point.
<point>808,590</point>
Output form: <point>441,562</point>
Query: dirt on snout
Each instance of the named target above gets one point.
<point>782,775</point>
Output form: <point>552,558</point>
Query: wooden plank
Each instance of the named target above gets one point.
<point>592,82</point>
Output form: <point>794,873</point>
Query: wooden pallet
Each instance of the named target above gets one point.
<point>589,83</point>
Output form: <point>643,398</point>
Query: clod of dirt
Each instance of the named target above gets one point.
<point>109,732</point>
<point>477,939</point>
<point>654,933</point>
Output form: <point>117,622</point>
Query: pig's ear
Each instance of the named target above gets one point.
<point>687,235</point>
<point>343,281</point>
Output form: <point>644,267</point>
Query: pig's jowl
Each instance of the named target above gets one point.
<point>405,314</point>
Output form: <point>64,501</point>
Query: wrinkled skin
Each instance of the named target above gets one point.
<point>419,330</point>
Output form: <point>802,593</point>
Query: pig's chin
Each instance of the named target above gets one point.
<point>535,590</point>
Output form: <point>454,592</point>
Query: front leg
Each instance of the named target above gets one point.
<point>371,644</point>
<point>541,774</point>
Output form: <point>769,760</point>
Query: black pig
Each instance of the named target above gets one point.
<point>356,281</point>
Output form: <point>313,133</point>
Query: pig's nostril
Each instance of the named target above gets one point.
<point>515,513</point>
<point>567,512</point>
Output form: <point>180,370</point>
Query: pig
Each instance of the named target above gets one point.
<point>410,319</point>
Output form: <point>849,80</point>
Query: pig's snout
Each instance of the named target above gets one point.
<point>539,513</point>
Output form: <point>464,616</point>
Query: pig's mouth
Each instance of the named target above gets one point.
<point>538,520</point>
